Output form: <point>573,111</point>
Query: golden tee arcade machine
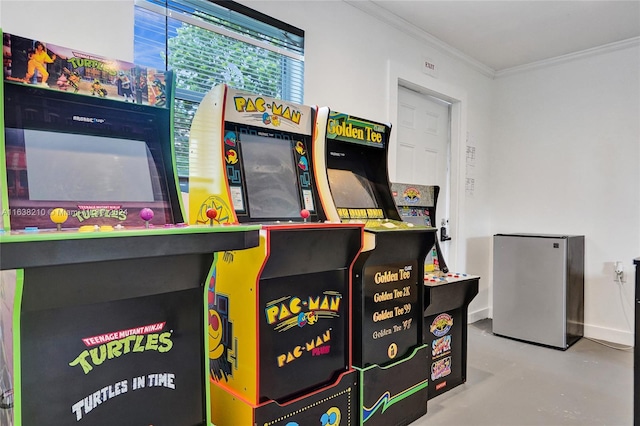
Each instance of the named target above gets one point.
<point>388,275</point>
<point>102,285</point>
<point>447,295</point>
<point>279,314</point>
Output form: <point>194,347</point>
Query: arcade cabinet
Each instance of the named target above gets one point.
<point>279,314</point>
<point>389,353</point>
<point>446,299</point>
<point>101,283</point>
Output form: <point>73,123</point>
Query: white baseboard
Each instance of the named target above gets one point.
<point>611,335</point>
<point>620,337</point>
<point>478,315</point>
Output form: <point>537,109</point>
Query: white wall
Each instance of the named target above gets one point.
<point>564,160</point>
<point>103,27</point>
<point>557,149</point>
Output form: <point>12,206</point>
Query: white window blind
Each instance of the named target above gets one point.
<point>212,42</point>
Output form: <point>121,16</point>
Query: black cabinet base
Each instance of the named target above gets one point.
<point>445,332</point>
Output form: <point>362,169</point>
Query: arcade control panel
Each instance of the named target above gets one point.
<point>59,216</point>
<point>434,279</point>
<point>34,246</point>
<point>382,224</point>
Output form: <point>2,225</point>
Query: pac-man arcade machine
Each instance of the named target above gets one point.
<point>279,324</point>
<point>447,295</point>
<point>388,274</point>
<point>102,285</point>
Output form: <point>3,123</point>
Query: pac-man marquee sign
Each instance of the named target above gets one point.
<point>262,111</point>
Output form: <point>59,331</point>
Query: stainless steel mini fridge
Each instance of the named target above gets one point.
<point>538,288</point>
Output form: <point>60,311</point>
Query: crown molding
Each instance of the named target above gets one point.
<point>605,48</point>
<point>398,23</point>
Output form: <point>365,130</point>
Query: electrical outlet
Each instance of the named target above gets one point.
<point>619,267</point>
<point>618,271</point>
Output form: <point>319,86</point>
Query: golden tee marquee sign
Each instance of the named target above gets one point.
<point>351,129</point>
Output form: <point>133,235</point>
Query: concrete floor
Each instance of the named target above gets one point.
<point>512,383</point>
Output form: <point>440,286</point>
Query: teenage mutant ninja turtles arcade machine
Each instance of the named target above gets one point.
<point>279,323</point>
<point>102,291</point>
<point>447,295</point>
<point>388,275</point>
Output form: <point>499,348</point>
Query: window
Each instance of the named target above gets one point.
<point>212,42</point>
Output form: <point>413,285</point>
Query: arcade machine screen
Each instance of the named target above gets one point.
<point>103,161</point>
<point>271,178</point>
<point>351,189</point>
<point>269,174</point>
<point>98,160</point>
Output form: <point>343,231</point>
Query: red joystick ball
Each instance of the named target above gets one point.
<point>212,213</point>
<point>304,213</point>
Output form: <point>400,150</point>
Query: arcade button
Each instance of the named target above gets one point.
<point>31,229</point>
<point>106,228</point>
<point>89,228</point>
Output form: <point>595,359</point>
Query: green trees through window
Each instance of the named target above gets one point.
<point>208,43</point>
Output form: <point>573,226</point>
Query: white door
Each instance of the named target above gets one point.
<point>423,153</point>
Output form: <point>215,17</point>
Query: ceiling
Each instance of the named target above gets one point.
<point>506,34</point>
